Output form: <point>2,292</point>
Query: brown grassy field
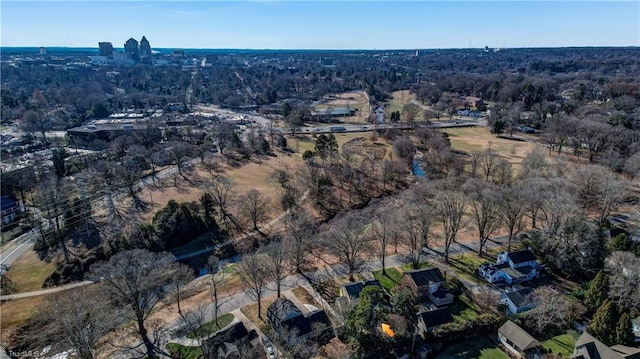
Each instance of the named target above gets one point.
<point>251,311</point>
<point>15,313</point>
<point>28,272</point>
<point>353,99</point>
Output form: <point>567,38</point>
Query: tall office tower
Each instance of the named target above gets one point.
<point>145,48</point>
<point>131,48</point>
<point>106,49</point>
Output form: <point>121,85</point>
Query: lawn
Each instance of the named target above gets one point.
<point>183,352</point>
<point>28,272</point>
<point>251,311</point>
<point>305,297</point>
<point>409,267</point>
<point>463,310</point>
<point>400,98</point>
<point>562,344</point>
<point>467,265</point>
<point>475,348</point>
<point>389,281</point>
<point>211,327</point>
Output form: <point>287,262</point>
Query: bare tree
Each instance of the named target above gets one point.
<point>79,319</point>
<point>216,279</point>
<point>485,209</point>
<point>553,310</point>
<point>277,262</point>
<point>298,237</point>
<point>193,320</point>
<point>383,229</point>
<point>255,207</point>
<point>136,278</point>
<point>534,164</point>
<point>223,195</point>
<point>348,246</point>
<point>415,225</point>
<point>253,274</point>
<point>487,298</point>
<point>449,208</point>
<point>624,269</point>
<point>512,207</point>
<point>598,189</point>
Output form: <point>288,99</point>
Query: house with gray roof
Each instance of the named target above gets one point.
<point>511,267</point>
<point>351,291</point>
<point>520,343</point>
<point>286,318</point>
<point>431,319</point>
<point>588,347</point>
<point>518,301</point>
<point>428,283</point>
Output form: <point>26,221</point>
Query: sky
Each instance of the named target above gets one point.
<point>321,24</point>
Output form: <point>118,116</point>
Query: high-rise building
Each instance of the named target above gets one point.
<point>106,49</point>
<point>145,48</point>
<point>131,48</point>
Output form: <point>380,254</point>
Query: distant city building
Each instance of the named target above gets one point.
<point>131,48</point>
<point>145,48</point>
<point>106,49</point>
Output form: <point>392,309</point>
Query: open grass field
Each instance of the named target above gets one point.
<point>562,344</point>
<point>471,139</point>
<point>258,175</point>
<point>475,348</point>
<point>15,313</point>
<point>28,272</point>
<point>397,102</point>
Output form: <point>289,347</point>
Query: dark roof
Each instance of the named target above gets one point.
<point>589,347</point>
<point>292,318</point>
<point>518,336</point>
<point>8,201</point>
<point>521,256</point>
<point>425,276</point>
<point>284,309</point>
<point>353,289</point>
<point>520,297</point>
<point>434,318</point>
<point>440,293</point>
<point>231,334</point>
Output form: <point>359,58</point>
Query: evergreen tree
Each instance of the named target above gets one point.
<point>597,293</point>
<point>619,243</point>
<point>604,323</point>
<point>624,330</point>
<point>404,303</point>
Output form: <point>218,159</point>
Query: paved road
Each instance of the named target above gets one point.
<point>21,245</point>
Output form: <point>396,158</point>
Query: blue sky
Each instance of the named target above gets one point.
<point>322,25</point>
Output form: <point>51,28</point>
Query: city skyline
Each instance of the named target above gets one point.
<point>322,25</point>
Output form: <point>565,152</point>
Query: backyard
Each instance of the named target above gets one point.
<point>475,348</point>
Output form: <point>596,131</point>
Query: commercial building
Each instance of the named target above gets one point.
<point>106,49</point>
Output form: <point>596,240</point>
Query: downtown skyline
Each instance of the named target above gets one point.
<point>322,25</point>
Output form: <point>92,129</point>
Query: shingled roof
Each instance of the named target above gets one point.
<point>422,277</point>
<point>518,336</point>
<point>521,297</point>
<point>524,255</point>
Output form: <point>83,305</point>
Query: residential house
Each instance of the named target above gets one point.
<point>431,319</point>
<point>519,342</point>
<point>231,341</point>
<point>428,284</point>
<point>351,291</point>
<point>511,267</point>
<point>588,347</point>
<point>9,208</point>
<point>518,301</point>
<point>286,318</point>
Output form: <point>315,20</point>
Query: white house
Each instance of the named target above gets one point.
<point>519,300</point>
<point>511,267</point>
<point>520,343</point>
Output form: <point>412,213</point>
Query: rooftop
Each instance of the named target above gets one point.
<point>521,297</point>
<point>434,318</point>
<point>425,276</point>
<point>521,256</point>
<point>353,289</point>
<point>518,336</point>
